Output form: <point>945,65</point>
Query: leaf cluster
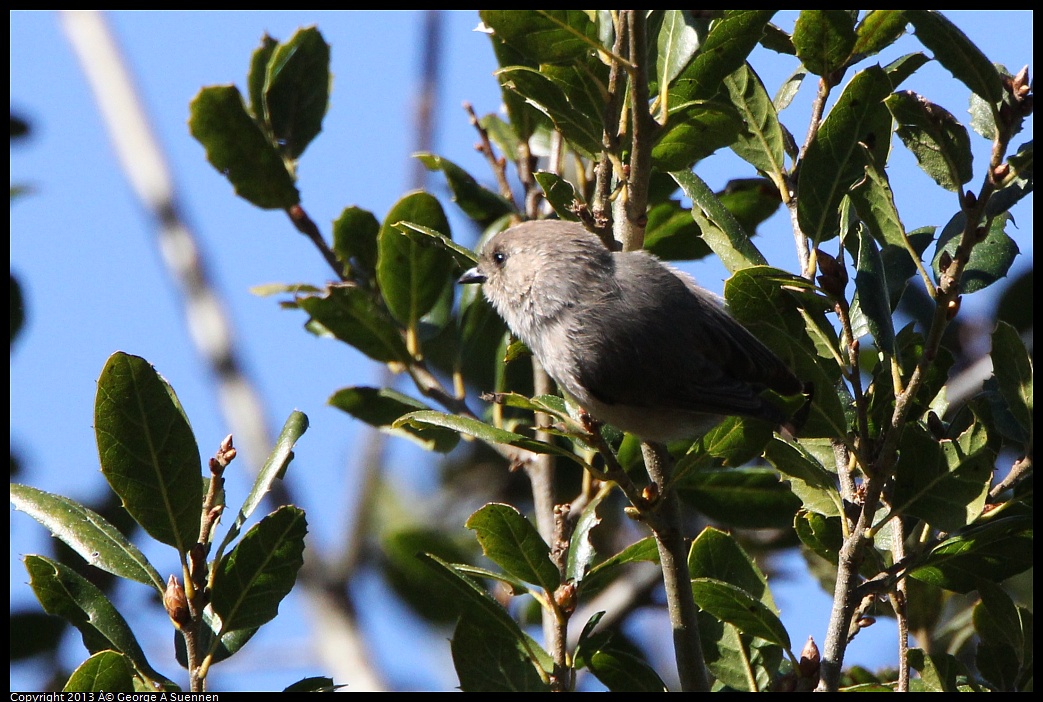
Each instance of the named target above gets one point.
<point>151,461</point>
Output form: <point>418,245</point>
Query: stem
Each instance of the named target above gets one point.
<point>665,521</point>
<point>540,472</point>
<point>498,165</point>
<point>306,226</point>
<point>843,597</point>
<point>898,599</point>
<point>601,205</point>
<point>642,133</point>
<point>818,107</point>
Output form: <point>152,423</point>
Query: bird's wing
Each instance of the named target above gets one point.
<point>676,349</point>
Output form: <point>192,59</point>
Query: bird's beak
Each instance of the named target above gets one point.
<point>471,276</point>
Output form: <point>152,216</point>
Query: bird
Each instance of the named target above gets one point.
<point>635,342</point>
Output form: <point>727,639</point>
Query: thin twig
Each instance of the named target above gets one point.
<point>498,165</point>
<point>601,205</point>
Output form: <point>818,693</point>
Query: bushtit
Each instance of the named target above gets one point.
<point>637,343</point>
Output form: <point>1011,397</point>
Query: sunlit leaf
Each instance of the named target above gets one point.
<point>147,450</point>
<point>824,39</point>
<point>251,581</point>
<point>297,90</point>
<point>87,533</point>
<point>512,542</point>
<point>238,148</point>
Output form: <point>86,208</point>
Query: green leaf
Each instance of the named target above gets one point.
<point>833,161</point>
<point>251,581</point>
<point>620,670</point>
<point>873,297</point>
<point>478,203</point>
<point>351,314</point>
<point>544,36</point>
<point>900,264</point>
<point>676,43</point>
<point>297,90</point>
<point>561,195</point>
<point>735,606</point>
<point>1012,366</point>
<point>874,201</point>
<point>104,672</point>
<point>731,40</point>
<point>64,593</point>
<point>739,662</point>
<point>719,228</point>
<point>255,78</point>
<point>1005,653</point>
<point>718,555</point>
<point>464,257</point>
<point>582,553</point>
<point>943,483</point>
<point>877,31</point>
<point>810,481</point>
<point>999,619</point>
<point>672,235</point>
<point>222,646</point>
<point>751,201</point>
<point>990,258</point>
<point>957,53</point>
<point>904,66</point>
<point>480,335</point>
<point>472,598</point>
<point>935,137</point>
<point>489,660</point>
<point>763,144</point>
<point>994,550</point>
<point>147,450</point>
<point>355,239</point>
<point>380,407</point>
<point>823,537</point>
<point>239,149</point>
<point>600,575</point>
<point>911,348</point>
<point>274,468</point>
<point>693,131</point>
<point>412,270</point>
<point>510,541</point>
<point>784,98</point>
<point>493,632</point>
<point>315,683</point>
<point>571,113</point>
<point>87,533</point>
<point>485,432</point>
<point>522,119</point>
<point>824,39</point>
<point>431,597</point>
<point>939,672</point>
<point>751,497</point>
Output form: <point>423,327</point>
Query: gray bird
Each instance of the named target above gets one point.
<point>635,342</point>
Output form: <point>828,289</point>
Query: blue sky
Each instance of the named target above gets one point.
<point>85,254</point>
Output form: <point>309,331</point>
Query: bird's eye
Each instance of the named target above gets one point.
<point>499,257</point>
